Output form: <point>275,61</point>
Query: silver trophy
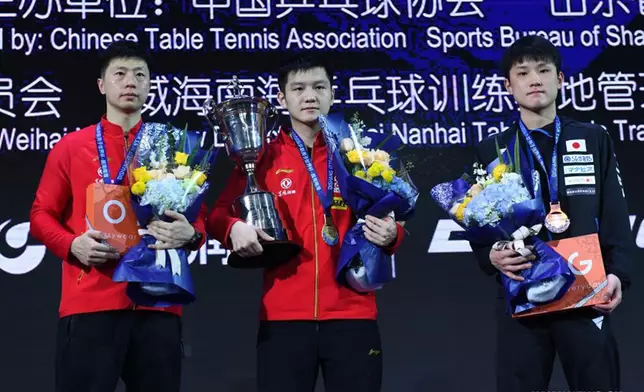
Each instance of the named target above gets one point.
<point>243,126</point>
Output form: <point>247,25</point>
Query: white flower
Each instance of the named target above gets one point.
<point>346,145</point>
<point>512,177</point>
<point>156,174</point>
<point>365,141</point>
<point>181,172</point>
<point>153,160</point>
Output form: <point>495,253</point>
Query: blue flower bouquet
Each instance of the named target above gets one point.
<point>496,208</point>
<point>170,171</point>
<point>369,185</point>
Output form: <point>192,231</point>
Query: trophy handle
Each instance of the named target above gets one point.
<point>209,107</point>
<point>275,115</point>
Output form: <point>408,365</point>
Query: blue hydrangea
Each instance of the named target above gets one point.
<point>495,201</point>
<point>168,194</point>
<point>404,189</point>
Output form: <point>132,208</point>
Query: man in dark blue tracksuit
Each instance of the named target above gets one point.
<point>590,192</point>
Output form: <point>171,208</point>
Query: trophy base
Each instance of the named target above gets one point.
<point>275,253</point>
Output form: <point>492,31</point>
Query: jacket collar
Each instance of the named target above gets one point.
<point>284,137</point>
<point>113,130</point>
<point>565,121</point>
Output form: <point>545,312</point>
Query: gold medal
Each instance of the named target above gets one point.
<point>329,231</point>
<point>556,221</point>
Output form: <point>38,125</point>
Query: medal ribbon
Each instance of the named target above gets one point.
<point>102,156</point>
<point>325,199</point>
<point>553,184</point>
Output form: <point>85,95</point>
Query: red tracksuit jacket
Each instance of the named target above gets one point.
<point>304,288</point>
<point>58,216</point>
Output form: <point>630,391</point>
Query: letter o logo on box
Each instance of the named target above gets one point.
<point>106,215</point>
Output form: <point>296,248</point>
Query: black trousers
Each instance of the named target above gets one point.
<point>582,339</point>
<point>289,354</point>
<point>94,350</point>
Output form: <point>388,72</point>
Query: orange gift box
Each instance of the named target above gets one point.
<point>585,261</point>
<point>109,211</point>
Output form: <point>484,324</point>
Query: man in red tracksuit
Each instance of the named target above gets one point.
<point>308,320</point>
<point>102,335</point>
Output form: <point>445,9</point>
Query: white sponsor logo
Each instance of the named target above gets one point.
<point>32,255</point>
<point>639,237</point>
<point>619,178</point>
<point>577,145</point>
<point>99,180</point>
<point>441,242</point>
<point>578,158</point>
<point>286,183</point>
<point>210,251</point>
<point>585,191</point>
<point>580,180</point>
<point>587,265</point>
<point>120,206</point>
<point>579,169</point>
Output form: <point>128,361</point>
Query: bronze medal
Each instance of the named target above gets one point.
<point>556,221</point>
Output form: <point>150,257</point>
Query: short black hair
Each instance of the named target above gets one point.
<point>122,49</point>
<point>530,48</point>
<point>302,63</point>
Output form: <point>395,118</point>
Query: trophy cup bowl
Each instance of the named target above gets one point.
<point>243,124</point>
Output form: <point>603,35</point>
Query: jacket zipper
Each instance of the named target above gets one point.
<point>80,276</point>
<point>127,147</point>
<point>315,249</point>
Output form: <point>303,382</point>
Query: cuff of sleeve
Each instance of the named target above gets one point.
<point>400,236</point>
<point>63,248</point>
<point>200,243</point>
<point>482,255</point>
<point>622,276</point>
<point>230,223</point>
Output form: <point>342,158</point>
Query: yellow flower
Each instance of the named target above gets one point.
<point>354,156</point>
<point>361,174</point>
<point>360,156</point>
<point>375,170</point>
<point>460,212</point>
<point>466,201</point>
<point>499,170</point>
<point>141,174</point>
<point>199,178</point>
<point>180,158</point>
<point>138,188</point>
<point>388,175</point>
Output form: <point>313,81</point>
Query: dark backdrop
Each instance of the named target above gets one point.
<point>437,317</point>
